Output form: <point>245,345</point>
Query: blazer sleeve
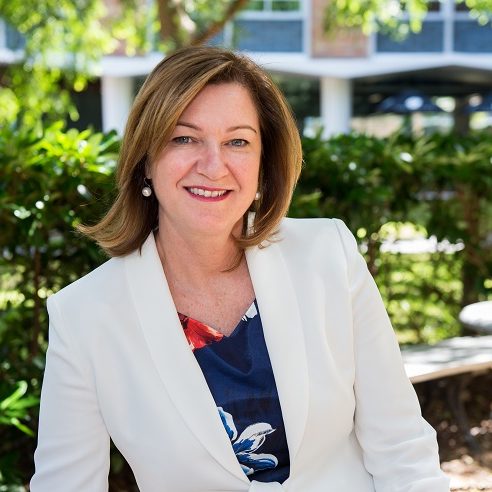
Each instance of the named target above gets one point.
<point>399,446</point>
<point>73,445</point>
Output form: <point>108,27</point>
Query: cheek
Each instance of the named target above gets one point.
<point>248,167</point>
<point>254,173</point>
<point>247,176</point>
<point>167,171</point>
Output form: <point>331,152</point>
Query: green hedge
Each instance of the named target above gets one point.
<point>47,180</point>
<point>440,183</point>
<point>437,185</point>
<point>52,179</point>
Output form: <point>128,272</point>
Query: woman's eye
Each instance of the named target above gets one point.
<point>182,140</point>
<point>238,142</point>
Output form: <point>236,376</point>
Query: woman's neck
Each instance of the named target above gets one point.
<point>196,257</point>
<point>199,275</point>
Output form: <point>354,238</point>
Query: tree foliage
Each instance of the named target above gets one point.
<point>61,39</point>
<point>183,23</point>
<point>64,40</point>
<point>397,17</point>
<point>47,178</point>
<point>441,183</point>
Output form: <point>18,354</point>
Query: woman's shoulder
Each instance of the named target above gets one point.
<point>318,241</point>
<point>311,225</point>
<point>99,285</point>
<point>312,230</point>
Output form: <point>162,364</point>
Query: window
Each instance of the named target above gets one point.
<point>461,7</point>
<point>434,6</point>
<point>274,6</point>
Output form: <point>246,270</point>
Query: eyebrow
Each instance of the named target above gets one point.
<point>231,129</point>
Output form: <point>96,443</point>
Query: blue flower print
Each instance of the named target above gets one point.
<point>249,441</point>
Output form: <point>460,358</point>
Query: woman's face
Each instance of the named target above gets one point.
<point>206,177</point>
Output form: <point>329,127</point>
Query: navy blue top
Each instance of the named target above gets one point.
<point>239,374</point>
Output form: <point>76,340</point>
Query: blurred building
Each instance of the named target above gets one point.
<point>342,77</point>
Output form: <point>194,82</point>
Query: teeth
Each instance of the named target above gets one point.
<point>207,193</point>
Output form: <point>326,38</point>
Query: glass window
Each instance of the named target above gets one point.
<point>285,5</point>
<point>256,5</point>
<point>273,5</point>
<point>434,6</point>
<point>461,7</point>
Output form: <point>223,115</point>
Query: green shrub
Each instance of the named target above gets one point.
<point>442,184</point>
<point>53,179</point>
<point>47,179</point>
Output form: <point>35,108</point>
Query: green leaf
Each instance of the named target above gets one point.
<point>15,396</point>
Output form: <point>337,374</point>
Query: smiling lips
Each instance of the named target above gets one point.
<point>207,194</point>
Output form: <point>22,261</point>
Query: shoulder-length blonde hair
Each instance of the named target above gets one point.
<point>167,91</point>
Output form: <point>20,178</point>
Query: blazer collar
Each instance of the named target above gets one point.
<point>179,369</point>
<point>279,310</point>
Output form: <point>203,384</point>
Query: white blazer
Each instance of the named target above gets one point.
<point>119,366</point>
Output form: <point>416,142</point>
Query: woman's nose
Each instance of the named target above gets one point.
<point>212,163</point>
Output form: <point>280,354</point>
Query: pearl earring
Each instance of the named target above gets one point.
<point>257,196</point>
<point>146,190</point>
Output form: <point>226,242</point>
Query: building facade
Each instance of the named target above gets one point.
<point>450,57</point>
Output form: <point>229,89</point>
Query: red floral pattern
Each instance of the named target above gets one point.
<point>198,334</point>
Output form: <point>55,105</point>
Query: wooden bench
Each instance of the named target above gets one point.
<point>462,357</point>
<point>447,358</point>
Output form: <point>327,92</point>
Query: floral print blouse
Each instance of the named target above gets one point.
<point>239,374</point>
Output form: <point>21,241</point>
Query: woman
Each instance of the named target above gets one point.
<point>224,348</point>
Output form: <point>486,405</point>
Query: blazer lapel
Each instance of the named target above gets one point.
<point>279,311</point>
<point>172,356</point>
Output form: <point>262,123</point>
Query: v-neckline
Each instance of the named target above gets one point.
<point>217,335</point>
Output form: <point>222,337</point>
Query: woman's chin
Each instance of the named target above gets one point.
<point>206,227</point>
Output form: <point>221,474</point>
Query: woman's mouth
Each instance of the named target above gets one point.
<point>205,193</point>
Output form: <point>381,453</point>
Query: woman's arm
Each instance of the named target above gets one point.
<point>399,446</point>
<point>73,444</point>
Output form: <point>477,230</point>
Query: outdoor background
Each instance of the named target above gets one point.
<point>411,178</point>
